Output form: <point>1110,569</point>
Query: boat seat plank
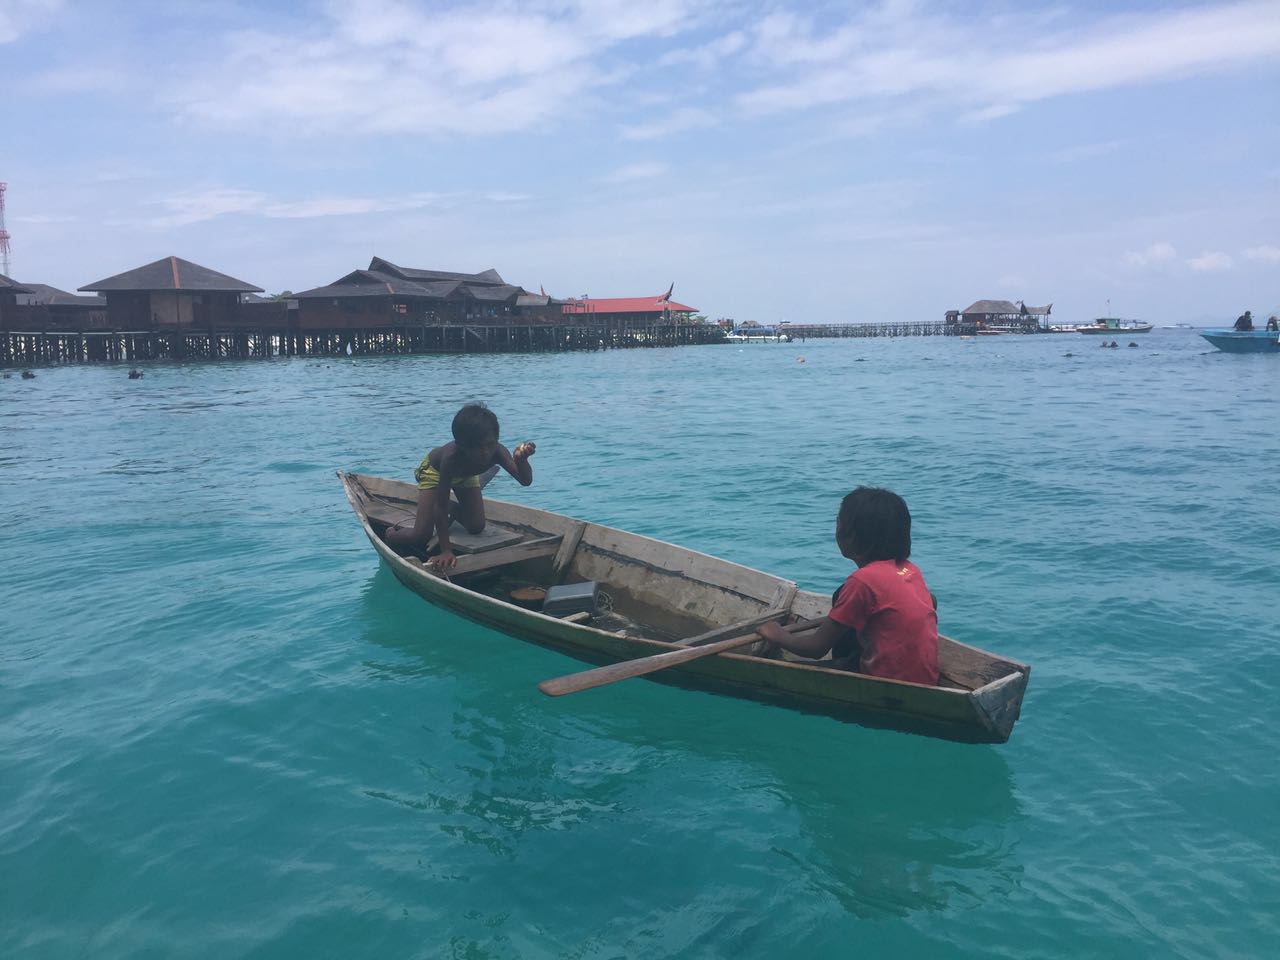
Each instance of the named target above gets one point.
<point>493,536</point>
<point>525,550</point>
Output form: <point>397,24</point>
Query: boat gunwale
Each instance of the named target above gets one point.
<point>688,551</point>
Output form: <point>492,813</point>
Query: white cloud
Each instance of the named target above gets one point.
<point>686,118</point>
<point>636,171</point>
<point>18,17</point>
<point>199,206</point>
<point>1211,261</point>
<point>1263,254</point>
<point>390,66</point>
<point>993,112</point>
<point>78,80</point>
<point>1153,255</point>
<point>709,56</point>
<point>996,64</point>
<point>42,218</point>
<point>1086,151</point>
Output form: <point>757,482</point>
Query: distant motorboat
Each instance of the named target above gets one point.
<point>758,335</point>
<point>1244,341</point>
<point>1109,325</point>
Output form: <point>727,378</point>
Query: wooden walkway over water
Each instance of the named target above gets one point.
<point>896,328</point>
<point>28,348</point>
<point>39,348</point>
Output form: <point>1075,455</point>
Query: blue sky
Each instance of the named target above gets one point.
<point>837,162</point>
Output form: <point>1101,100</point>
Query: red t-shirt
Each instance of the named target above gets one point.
<point>892,611</point>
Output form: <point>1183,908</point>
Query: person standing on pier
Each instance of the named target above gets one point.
<point>462,466</point>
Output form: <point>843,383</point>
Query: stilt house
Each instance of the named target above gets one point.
<point>171,294</point>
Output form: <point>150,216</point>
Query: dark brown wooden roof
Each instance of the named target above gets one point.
<point>1006,308</point>
<point>11,286</point>
<point>991,306</point>
<point>172,273</point>
<point>485,277</point>
<point>385,279</point>
<point>376,283</point>
<point>41,294</point>
<point>492,294</point>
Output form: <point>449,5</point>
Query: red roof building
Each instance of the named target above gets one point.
<point>630,311</point>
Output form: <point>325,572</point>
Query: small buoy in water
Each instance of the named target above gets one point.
<point>799,359</point>
<point>28,375</point>
<point>135,374</point>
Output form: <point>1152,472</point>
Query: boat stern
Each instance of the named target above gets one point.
<point>998,704</point>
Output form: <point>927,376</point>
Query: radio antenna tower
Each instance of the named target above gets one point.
<point>4,236</point>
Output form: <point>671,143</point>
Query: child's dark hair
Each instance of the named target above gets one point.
<point>879,523</point>
<point>474,425</point>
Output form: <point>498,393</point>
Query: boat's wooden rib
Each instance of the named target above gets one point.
<point>676,598</point>
<point>564,556</point>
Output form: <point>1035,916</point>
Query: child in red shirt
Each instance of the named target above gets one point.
<point>885,600</point>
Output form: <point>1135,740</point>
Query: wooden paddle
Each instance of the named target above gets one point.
<point>612,673</point>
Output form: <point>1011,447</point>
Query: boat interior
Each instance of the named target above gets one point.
<point>643,587</point>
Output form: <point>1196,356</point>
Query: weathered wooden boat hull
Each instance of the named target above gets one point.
<point>979,704</point>
<point>1244,341</point>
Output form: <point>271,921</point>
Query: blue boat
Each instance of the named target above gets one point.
<point>1244,341</point>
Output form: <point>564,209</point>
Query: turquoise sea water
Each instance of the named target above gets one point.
<point>226,732</point>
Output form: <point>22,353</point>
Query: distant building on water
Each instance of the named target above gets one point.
<point>9,292</point>
<point>54,309</point>
<point>171,294</point>
<point>1003,315</point>
<point>385,295</point>
<point>630,312</point>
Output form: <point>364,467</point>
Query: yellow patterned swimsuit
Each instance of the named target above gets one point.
<point>428,477</point>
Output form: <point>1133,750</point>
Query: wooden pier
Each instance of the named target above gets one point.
<point>29,348</point>
<point>21,348</point>
<point>896,328</point>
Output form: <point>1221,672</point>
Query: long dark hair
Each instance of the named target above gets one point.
<point>878,522</point>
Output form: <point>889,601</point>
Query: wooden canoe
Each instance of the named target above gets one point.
<point>660,597</point>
